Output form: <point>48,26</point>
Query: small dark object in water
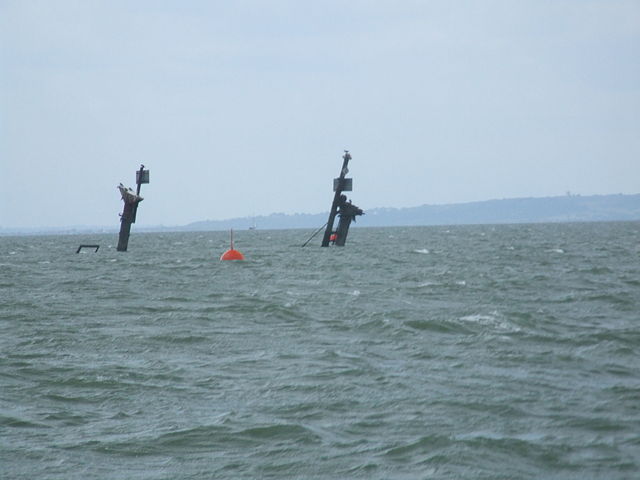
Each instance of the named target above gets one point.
<point>88,246</point>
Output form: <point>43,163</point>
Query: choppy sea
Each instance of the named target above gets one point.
<point>470,352</point>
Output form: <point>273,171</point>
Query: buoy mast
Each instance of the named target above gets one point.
<point>232,253</point>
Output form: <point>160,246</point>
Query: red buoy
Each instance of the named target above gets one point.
<point>232,254</point>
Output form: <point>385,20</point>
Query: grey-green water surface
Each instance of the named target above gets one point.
<point>479,352</point>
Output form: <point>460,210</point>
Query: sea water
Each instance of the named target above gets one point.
<point>470,352</point>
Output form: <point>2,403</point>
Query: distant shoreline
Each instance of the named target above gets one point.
<point>567,208</point>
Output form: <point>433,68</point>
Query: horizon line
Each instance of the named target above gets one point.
<point>114,227</point>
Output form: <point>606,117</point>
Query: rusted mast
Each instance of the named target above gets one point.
<point>341,206</point>
<point>131,201</point>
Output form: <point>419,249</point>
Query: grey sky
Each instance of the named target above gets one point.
<point>244,107</point>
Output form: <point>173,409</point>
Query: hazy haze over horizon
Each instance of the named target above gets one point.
<point>244,108</point>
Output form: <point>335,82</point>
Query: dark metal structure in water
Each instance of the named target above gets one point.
<point>342,207</point>
<point>131,201</point>
<point>94,246</point>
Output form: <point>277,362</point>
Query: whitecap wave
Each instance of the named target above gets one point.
<point>492,319</point>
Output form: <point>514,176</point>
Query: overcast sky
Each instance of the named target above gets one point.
<point>243,108</point>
